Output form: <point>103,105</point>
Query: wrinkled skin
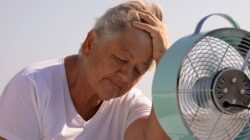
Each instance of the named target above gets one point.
<point>113,66</point>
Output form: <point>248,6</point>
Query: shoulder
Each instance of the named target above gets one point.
<point>43,66</point>
<point>135,104</point>
<point>39,71</point>
<point>134,93</point>
<point>135,96</point>
<point>139,111</point>
<point>132,105</point>
<point>28,95</point>
<point>27,80</point>
<point>35,80</point>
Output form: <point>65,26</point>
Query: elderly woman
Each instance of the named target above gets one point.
<point>90,95</point>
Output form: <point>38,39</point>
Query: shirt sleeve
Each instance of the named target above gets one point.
<point>140,107</point>
<point>19,116</point>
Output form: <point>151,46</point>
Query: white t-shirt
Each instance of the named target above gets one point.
<point>36,105</point>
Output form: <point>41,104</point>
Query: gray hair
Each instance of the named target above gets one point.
<point>120,17</point>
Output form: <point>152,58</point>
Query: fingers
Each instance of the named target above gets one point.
<point>144,26</point>
<point>152,24</point>
<point>157,31</point>
<point>148,17</point>
<point>150,14</point>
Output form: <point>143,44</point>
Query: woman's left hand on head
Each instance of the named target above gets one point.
<point>157,30</point>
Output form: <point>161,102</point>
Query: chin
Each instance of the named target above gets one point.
<point>107,90</point>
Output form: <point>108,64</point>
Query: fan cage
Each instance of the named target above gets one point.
<point>215,51</point>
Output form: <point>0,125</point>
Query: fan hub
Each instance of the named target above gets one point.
<point>231,86</point>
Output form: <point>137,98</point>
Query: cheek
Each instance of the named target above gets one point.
<point>101,69</point>
<point>108,67</point>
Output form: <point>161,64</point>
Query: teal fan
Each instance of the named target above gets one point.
<point>201,87</point>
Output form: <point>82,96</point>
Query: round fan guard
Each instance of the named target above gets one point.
<point>202,84</point>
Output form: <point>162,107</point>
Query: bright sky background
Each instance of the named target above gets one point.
<point>33,30</point>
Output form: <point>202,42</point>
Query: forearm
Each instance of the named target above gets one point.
<point>153,129</point>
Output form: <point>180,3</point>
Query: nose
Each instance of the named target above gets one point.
<point>126,74</point>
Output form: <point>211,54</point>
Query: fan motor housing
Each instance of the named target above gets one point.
<point>230,86</point>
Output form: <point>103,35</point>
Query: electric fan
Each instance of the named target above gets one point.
<point>201,87</point>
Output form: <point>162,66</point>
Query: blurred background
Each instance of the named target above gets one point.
<point>32,31</point>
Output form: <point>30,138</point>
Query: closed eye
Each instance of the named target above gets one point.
<point>120,60</point>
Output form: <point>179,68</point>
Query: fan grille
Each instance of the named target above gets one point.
<point>215,52</point>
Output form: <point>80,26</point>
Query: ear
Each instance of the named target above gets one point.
<point>88,43</point>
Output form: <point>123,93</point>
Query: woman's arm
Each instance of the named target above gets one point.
<point>149,128</point>
<point>146,128</point>
<point>153,130</point>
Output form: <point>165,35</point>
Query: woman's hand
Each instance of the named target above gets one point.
<point>158,32</point>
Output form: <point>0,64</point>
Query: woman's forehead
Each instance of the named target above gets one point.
<point>131,44</point>
<point>135,52</point>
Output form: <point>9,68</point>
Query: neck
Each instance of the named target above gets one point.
<point>84,98</point>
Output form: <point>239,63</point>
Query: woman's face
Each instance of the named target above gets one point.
<point>113,66</point>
